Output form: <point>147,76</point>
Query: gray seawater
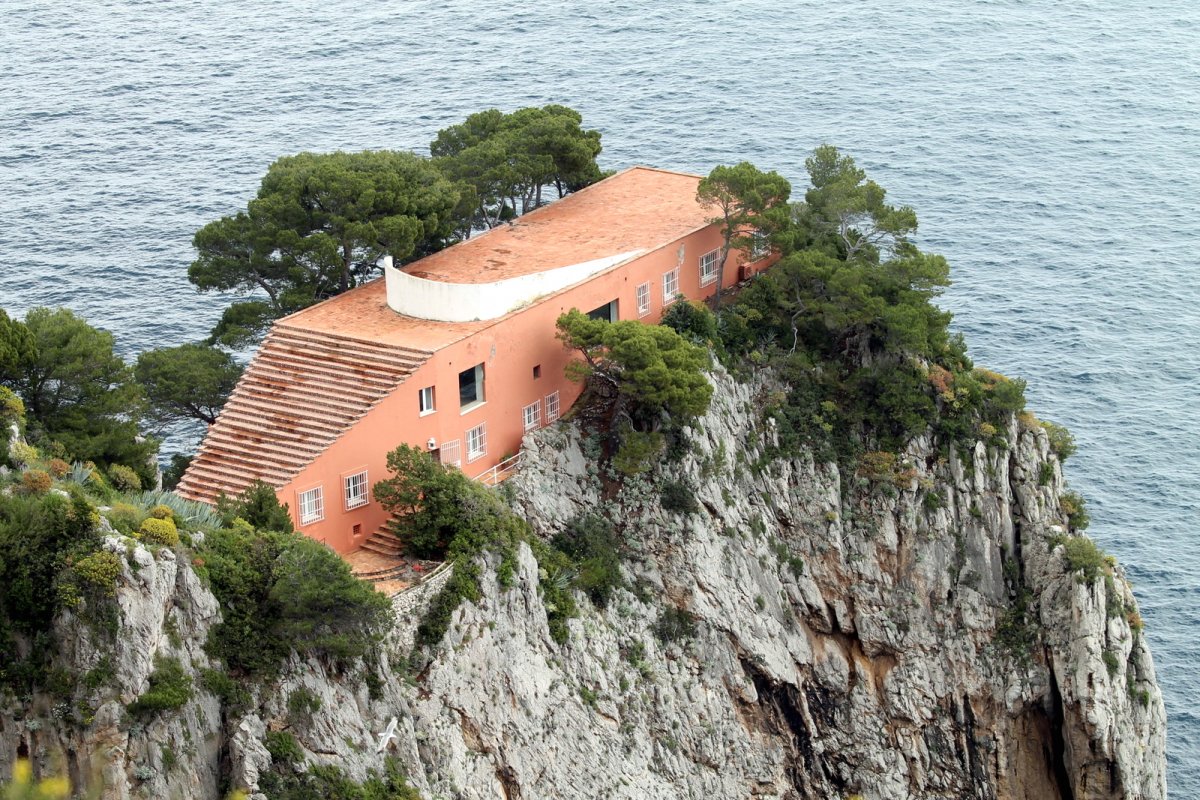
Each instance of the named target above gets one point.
<point>1051,149</point>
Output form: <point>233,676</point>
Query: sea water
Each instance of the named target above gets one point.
<point>1051,150</point>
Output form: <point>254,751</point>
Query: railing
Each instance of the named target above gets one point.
<point>501,472</point>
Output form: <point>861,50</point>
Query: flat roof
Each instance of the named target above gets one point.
<point>641,208</point>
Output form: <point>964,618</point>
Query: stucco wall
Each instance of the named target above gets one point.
<point>509,351</point>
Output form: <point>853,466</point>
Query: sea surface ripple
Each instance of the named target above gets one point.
<point>1051,149</point>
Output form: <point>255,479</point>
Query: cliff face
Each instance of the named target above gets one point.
<point>850,637</point>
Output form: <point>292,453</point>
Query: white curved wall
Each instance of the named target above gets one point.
<point>465,302</point>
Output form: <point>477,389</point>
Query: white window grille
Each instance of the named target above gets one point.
<point>477,442</point>
<point>552,407</point>
<point>426,400</point>
<point>709,266</point>
<point>532,414</point>
<point>643,299</point>
<point>670,286</point>
<point>450,453</point>
<point>760,245</point>
<point>356,490</point>
<point>312,506</point>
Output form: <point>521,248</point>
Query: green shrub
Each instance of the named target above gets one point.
<point>283,782</point>
<point>36,481</point>
<point>99,571</point>
<point>692,320</point>
<point>1075,508</point>
<point>162,512</point>
<point>283,747</point>
<point>282,592</point>
<point>302,702</point>
<point>591,542</point>
<point>124,479</point>
<point>125,517</point>
<point>678,497</point>
<point>638,451</point>
<point>25,454</point>
<point>11,407</point>
<point>1085,557</point>
<point>1045,473</point>
<point>159,531</point>
<point>259,505</point>
<point>170,688</point>
<point>675,624</point>
<point>1062,443</point>
<point>233,695</point>
<point>1110,662</point>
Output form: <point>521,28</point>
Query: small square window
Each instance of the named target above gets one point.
<point>356,490</point>
<point>537,371</point>
<point>312,506</point>
<point>476,442</point>
<point>709,267</point>
<point>425,399</point>
<point>670,286</point>
<point>552,407</point>
<point>532,414</point>
<point>643,299</point>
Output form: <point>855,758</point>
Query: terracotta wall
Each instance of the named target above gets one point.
<point>509,350</point>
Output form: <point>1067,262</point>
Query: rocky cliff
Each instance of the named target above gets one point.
<point>914,632</point>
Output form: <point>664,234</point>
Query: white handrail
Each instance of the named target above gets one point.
<point>500,472</point>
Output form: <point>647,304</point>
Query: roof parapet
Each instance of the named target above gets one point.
<point>466,302</point>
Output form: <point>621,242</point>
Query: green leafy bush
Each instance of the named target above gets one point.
<point>159,531</point>
<point>1085,557</point>
<point>282,592</point>
<point>162,512</point>
<point>170,688</point>
<point>125,518</point>
<point>99,571</point>
<point>591,542</point>
<point>259,505</point>
<point>678,497</point>
<point>1074,506</point>
<point>124,479</point>
<point>675,624</point>
<point>1062,443</point>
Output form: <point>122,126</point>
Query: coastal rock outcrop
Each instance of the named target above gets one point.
<point>918,630</point>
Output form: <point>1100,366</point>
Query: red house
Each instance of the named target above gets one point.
<point>455,353</point>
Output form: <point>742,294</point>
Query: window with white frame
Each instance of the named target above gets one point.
<point>709,264</point>
<point>643,299</point>
<point>426,400</point>
<point>760,245</point>
<point>470,387</point>
<point>552,407</point>
<point>532,414</point>
<point>476,442</point>
<point>356,489</point>
<point>312,506</point>
<point>670,286</point>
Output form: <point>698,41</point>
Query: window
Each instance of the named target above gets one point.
<point>709,266</point>
<point>552,407</point>
<point>476,442</point>
<point>470,387</point>
<point>670,286</point>
<point>606,312</point>
<point>312,506</point>
<point>643,299</point>
<point>760,245</point>
<point>537,371</point>
<point>532,414</point>
<point>426,400</point>
<point>356,489</point>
